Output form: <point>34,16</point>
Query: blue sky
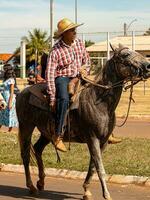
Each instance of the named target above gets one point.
<point>17,17</point>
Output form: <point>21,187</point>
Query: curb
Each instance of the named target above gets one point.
<point>70,174</point>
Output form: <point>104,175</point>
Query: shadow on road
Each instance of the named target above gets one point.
<point>16,192</point>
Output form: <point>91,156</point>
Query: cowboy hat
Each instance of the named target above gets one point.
<point>63,26</point>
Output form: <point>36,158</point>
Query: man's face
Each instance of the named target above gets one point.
<point>70,35</point>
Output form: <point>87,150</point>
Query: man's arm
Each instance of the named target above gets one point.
<point>50,75</point>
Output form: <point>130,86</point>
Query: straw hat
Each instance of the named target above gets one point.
<point>63,26</point>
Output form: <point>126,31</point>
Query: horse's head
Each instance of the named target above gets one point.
<point>130,64</point>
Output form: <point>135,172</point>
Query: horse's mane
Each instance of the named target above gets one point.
<point>106,73</point>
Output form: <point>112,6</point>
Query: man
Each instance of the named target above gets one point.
<point>65,61</point>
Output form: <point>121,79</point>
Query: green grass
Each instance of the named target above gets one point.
<point>131,157</point>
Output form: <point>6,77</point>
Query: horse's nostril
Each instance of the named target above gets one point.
<point>148,67</point>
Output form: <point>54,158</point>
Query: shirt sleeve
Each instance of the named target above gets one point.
<point>50,75</point>
<point>9,81</point>
<point>86,59</point>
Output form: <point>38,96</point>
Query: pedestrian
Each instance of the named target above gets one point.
<point>65,61</point>
<point>8,116</point>
<point>38,74</point>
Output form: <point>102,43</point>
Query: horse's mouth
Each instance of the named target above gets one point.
<point>146,73</point>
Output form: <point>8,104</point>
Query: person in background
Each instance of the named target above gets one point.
<point>43,64</point>
<point>65,62</point>
<point>38,74</point>
<point>8,116</point>
<point>31,76</point>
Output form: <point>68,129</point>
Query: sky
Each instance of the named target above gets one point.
<point>17,17</point>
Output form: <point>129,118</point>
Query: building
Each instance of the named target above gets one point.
<point>98,51</point>
<point>5,56</point>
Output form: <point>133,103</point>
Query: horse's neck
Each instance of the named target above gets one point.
<point>109,77</point>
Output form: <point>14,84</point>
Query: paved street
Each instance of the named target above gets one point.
<point>12,186</point>
<point>133,129</point>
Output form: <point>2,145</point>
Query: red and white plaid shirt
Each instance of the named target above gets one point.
<point>65,60</point>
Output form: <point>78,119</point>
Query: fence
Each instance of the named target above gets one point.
<point>100,52</point>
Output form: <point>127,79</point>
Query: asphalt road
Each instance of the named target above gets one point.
<point>12,186</point>
<point>133,129</point>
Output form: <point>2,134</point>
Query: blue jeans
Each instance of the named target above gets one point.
<point>62,102</point>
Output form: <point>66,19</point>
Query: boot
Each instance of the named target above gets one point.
<point>114,140</point>
<point>58,143</point>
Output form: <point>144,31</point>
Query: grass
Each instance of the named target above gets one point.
<point>131,157</point>
<point>141,107</point>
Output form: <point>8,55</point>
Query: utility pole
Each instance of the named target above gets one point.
<point>76,11</point>
<point>23,58</point>
<point>126,27</point>
<point>108,46</point>
<point>51,22</point>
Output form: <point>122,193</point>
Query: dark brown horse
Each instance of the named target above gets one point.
<point>94,119</point>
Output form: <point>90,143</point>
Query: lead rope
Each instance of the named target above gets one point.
<point>129,105</point>
<point>69,129</point>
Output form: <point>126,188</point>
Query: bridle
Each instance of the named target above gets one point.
<point>118,60</point>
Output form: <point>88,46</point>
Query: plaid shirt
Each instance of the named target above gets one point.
<point>65,60</point>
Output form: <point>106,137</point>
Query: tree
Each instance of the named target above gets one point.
<point>88,43</point>
<point>147,32</point>
<point>37,43</point>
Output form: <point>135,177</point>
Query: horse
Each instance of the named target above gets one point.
<point>96,110</point>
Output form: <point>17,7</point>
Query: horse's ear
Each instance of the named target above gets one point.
<point>121,46</point>
<point>113,47</point>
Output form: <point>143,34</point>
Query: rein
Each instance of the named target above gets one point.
<point>118,84</point>
<point>129,105</point>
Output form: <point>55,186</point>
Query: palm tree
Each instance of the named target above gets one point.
<point>37,43</point>
<point>147,32</point>
<point>88,43</point>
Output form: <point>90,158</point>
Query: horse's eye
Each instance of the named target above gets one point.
<point>125,55</point>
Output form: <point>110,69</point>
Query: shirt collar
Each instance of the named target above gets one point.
<point>64,44</point>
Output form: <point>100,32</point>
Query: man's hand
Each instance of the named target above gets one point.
<point>52,106</point>
<point>83,71</point>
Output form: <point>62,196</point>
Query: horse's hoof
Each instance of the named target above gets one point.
<point>109,198</point>
<point>40,186</point>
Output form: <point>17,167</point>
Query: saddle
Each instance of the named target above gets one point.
<point>39,97</point>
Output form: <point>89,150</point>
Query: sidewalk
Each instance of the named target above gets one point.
<point>70,174</point>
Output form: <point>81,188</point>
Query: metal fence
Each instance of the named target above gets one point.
<point>102,40</point>
<point>135,40</point>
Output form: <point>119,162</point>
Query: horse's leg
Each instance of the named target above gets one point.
<point>25,133</point>
<point>95,151</point>
<point>38,148</point>
<point>87,193</point>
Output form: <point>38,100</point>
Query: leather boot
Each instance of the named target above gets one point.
<point>57,141</point>
<point>114,140</point>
